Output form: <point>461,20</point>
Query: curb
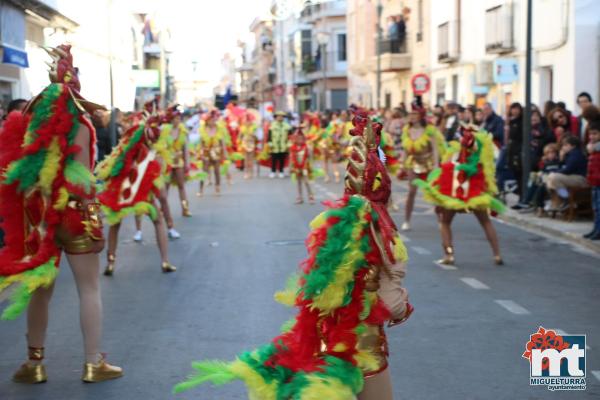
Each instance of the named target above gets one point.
<point>573,238</point>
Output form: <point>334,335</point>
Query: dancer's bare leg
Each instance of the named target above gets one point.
<point>410,198</point>
<point>164,206</point>
<point>217,171</point>
<point>161,239</point>
<point>446,227</point>
<point>326,167</point>
<point>113,238</point>
<point>490,232</point>
<point>336,172</point>
<point>180,179</point>
<point>138,222</point>
<point>206,167</point>
<point>37,316</point>
<point>300,198</point>
<point>250,165</point>
<point>377,387</point>
<point>85,269</point>
<point>311,197</point>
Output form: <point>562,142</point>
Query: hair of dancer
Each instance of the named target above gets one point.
<point>465,182</point>
<point>133,179</point>
<point>48,205</point>
<point>348,287</point>
<point>423,146</point>
<point>176,135</point>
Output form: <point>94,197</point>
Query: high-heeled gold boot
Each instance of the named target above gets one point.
<point>448,256</point>
<point>498,260</point>
<point>101,371</point>
<point>32,372</point>
<point>185,209</point>
<point>110,268</point>
<point>168,267</point>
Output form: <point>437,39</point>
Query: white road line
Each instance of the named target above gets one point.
<point>420,250</point>
<point>563,333</point>
<point>446,267</point>
<point>331,194</point>
<point>596,374</point>
<point>475,283</point>
<point>512,307</point>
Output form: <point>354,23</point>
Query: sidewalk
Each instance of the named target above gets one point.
<point>570,231</point>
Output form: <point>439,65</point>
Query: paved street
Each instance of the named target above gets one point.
<point>464,341</point>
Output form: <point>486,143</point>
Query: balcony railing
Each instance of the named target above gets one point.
<point>332,62</point>
<point>393,46</point>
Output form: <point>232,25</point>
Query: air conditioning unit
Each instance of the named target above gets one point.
<point>484,73</point>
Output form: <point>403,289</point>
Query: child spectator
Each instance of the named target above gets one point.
<point>593,176</point>
<point>536,190</point>
<point>571,174</point>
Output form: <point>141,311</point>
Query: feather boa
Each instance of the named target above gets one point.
<point>333,308</point>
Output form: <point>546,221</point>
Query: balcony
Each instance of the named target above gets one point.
<point>499,29</point>
<point>394,56</point>
<point>315,12</point>
<point>334,66</point>
<point>448,42</point>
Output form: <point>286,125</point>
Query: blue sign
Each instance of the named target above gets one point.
<point>15,57</point>
<point>506,70</point>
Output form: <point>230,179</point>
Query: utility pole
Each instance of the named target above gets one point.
<point>112,125</point>
<point>379,12</point>
<point>526,147</point>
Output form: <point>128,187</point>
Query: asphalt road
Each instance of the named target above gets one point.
<point>464,341</point>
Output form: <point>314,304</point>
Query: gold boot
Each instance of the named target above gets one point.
<point>110,268</point>
<point>448,256</point>
<point>30,372</point>
<point>167,267</point>
<point>185,209</point>
<point>101,371</point>
<point>498,260</point>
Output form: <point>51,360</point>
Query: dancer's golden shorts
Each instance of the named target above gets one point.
<point>374,341</point>
<point>80,231</point>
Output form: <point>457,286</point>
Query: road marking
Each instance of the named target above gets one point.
<point>331,194</point>
<point>475,283</point>
<point>420,250</point>
<point>446,267</point>
<point>596,374</point>
<point>563,333</point>
<point>512,307</point>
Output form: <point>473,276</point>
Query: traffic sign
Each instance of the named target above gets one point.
<point>420,84</point>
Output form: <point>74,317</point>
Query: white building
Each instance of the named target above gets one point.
<point>478,50</point>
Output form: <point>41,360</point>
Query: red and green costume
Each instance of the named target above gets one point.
<point>42,185</point>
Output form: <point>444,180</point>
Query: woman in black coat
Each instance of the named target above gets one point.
<point>515,143</point>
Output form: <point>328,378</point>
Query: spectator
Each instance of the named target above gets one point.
<point>589,115</point>
<point>593,177</point>
<point>571,175</point>
<point>438,119</point>
<point>452,121</point>
<point>541,136</point>
<point>584,100</point>
<point>561,123</point>
<point>16,105</point>
<point>548,107</point>
<point>278,144</point>
<point>494,124</point>
<point>401,33</point>
<point>514,144</point>
<point>100,121</point>
<point>536,189</point>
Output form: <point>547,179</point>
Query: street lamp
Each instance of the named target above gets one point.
<point>292,58</point>
<point>322,40</point>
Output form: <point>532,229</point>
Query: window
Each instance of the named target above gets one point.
<point>455,87</point>
<point>498,29</point>
<point>306,44</point>
<point>341,47</point>
<point>388,100</point>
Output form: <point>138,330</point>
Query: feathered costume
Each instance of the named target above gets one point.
<point>43,187</point>
<point>419,153</point>
<point>132,175</point>
<point>466,178</point>
<point>337,338</point>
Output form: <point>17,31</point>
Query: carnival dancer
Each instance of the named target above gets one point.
<point>177,136</point>
<point>133,179</point>
<point>330,146</point>
<point>350,285</point>
<point>47,201</point>
<point>300,165</point>
<point>277,143</point>
<point>421,143</point>
<point>465,182</point>
<point>162,147</point>
<point>247,141</point>
<point>213,135</point>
